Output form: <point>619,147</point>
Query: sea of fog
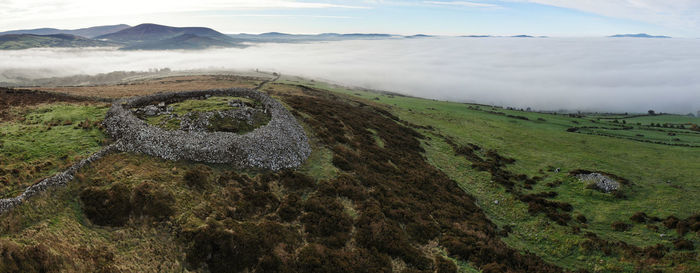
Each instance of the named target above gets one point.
<point>590,74</point>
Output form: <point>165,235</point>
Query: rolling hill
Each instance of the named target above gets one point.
<point>24,41</point>
<point>278,37</point>
<point>89,32</point>
<point>640,35</point>
<point>184,41</point>
<point>149,33</point>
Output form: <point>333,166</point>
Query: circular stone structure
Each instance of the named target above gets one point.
<point>279,144</point>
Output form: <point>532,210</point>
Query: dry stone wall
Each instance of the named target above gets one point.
<point>60,179</point>
<point>280,144</point>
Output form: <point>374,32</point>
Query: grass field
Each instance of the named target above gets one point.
<point>45,140</point>
<point>214,103</point>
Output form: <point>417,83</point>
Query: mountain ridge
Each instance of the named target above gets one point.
<point>24,41</point>
<point>89,32</point>
<point>639,35</point>
<point>153,32</point>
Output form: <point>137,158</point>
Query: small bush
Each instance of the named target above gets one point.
<point>493,268</point>
<point>326,220</point>
<point>290,208</point>
<point>581,218</point>
<point>237,247</point>
<point>620,226</point>
<point>106,207</point>
<point>671,222</point>
<point>296,181</point>
<point>639,217</point>
<point>148,199</point>
<point>37,258</point>
<point>198,177</point>
<point>682,244</point>
<point>445,266</point>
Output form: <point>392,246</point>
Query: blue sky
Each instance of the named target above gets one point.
<point>680,18</point>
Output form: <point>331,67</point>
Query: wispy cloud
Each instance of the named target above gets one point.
<point>284,16</point>
<point>45,10</point>
<point>670,13</point>
<point>462,4</point>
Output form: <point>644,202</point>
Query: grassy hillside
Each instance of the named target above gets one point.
<point>663,177</point>
<point>394,184</point>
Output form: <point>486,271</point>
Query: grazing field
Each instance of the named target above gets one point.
<point>394,184</point>
<point>41,134</point>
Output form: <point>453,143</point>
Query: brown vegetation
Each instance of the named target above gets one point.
<point>20,97</point>
<point>156,85</point>
<point>36,258</point>
<point>115,205</point>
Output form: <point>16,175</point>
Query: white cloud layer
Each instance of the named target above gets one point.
<point>603,74</point>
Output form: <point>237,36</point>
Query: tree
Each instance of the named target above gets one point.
<point>651,112</point>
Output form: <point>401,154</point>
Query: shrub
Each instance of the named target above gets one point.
<point>37,258</point>
<point>198,177</point>
<point>296,181</point>
<point>290,208</point>
<point>581,218</point>
<point>237,247</point>
<point>319,259</point>
<point>671,222</point>
<point>148,199</point>
<point>106,207</point>
<point>639,217</point>
<point>682,244</point>
<point>326,220</point>
<point>444,266</point>
<point>493,268</point>
<point>620,226</point>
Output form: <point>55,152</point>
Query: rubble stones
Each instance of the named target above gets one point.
<point>602,182</point>
<point>280,144</point>
<point>151,110</point>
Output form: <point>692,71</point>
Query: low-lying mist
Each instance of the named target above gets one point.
<point>589,74</point>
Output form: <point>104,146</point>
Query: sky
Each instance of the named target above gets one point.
<point>561,18</point>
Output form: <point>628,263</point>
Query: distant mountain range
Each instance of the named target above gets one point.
<point>277,37</point>
<point>90,32</point>
<point>24,41</point>
<point>418,36</point>
<point>160,37</point>
<point>640,35</point>
<point>184,41</point>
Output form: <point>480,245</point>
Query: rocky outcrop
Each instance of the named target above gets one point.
<point>280,144</point>
<point>601,182</point>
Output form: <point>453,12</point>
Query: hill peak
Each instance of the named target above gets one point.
<point>639,35</point>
